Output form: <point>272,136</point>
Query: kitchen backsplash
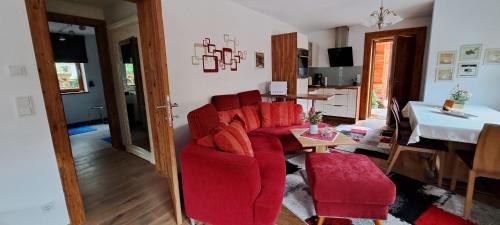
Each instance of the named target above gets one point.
<point>337,76</point>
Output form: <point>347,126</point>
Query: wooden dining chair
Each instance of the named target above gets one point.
<point>400,143</point>
<point>484,162</point>
<point>404,122</point>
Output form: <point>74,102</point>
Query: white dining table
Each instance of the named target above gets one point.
<point>428,121</point>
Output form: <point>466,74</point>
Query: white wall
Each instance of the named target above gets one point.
<point>28,170</point>
<point>460,22</point>
<point>321,41</point>
<point>76,106</point>
<point>75,9</point>
<point>357,35</point>
<point>188,22</point>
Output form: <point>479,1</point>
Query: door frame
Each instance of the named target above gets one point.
<point>156,76</point>
<point>372,65</point>
<point>420,33</point>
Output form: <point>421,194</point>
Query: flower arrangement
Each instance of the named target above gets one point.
<point>314,117</point>
<point>460,95</point>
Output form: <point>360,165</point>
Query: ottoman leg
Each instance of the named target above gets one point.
<point>377,222</point>
<point>321,220</point>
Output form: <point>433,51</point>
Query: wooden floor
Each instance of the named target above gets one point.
<point>120,188</point>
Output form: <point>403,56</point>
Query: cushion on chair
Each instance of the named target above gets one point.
<point>352,180</point>
<point>250,98</point>
<point>233,139</point>
<point>202,121</point>
<point>227,115</point>
<point>252,117</point>
<point>226,102</point>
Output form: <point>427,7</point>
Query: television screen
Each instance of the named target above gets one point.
<point>340,56</point>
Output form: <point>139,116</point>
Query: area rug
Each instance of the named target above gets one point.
<point>81,130</point>
<point>416,202</point>
<point>370,142</point>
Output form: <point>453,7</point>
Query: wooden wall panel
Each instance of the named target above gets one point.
<point>284,59</point>
<point>54,107</point>
<point>156,80</point>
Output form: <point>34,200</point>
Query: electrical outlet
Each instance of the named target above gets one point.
<point>47,207</point>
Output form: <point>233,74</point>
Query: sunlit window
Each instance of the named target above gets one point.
<point>71,77</point>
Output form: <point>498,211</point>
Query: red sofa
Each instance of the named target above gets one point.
<point>222,188</point>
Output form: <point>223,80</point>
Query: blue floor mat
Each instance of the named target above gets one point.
<point>107,139</point>
<point>81,130</point>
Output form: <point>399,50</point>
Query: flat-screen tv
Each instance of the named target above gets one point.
<point>340,56</point>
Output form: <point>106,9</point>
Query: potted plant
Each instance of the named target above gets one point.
<point>460,96</point>
<point>314,117</point>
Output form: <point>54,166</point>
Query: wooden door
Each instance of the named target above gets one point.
<point>284,55</point>
<point>401,79</point>
<point>158,95</point>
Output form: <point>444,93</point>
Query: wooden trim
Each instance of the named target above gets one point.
<point>421,35</point>
<point>55,112</point>
<point>154,57</point>
<point>284,59</point>
<point>106,70</point>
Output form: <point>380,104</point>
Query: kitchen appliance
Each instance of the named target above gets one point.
<point>318,79</point>
<point>340,57</point>
<point>303,63</point>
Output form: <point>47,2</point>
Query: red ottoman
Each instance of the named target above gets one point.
<point>348,185</point>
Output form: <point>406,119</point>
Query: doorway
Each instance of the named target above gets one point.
<point>398,74</point>
<point>379,92</point>
<point>156,82</point>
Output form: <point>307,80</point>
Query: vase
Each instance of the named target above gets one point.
<point>313,129</point>
<point>459,104</point>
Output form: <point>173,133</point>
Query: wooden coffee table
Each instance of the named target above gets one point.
<point>319,145</point>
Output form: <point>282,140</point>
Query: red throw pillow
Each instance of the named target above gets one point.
<point>275,114</point>
<point>207,141</point>
<point>227,116</point>
<point>252,118</point>
<point>299,115</point>
<point>233,139</point>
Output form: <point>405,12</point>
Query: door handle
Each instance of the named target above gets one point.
<point>161,107</point>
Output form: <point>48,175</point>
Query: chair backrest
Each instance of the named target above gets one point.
<point>395,113</point>
<point>487,156</point>
<point>395,102</point>
<point>226,102</point>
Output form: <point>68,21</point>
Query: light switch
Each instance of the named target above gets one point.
<point>24,106</point>
<point>18,70</point>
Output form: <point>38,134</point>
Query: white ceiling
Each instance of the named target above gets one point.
<point>313,15</point>
<point>64,28</point>
<point>96,3</point>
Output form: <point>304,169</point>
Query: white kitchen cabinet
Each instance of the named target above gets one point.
<point>343,104</point>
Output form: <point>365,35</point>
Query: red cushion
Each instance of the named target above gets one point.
<point>233,139</point>
<point>289,142</point>
<point>252,117</point>
<point>349,179</point>
<point>202,121</point>
<point>250,98</point>
<point>274,114</point>
<point>207,141</point>
<point>228,115</point>
<point>226,102</point>
<point>299,115</point>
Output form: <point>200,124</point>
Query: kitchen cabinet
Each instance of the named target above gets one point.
<point>344,104</point>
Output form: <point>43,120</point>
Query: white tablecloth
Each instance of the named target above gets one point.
<point>427,121</point>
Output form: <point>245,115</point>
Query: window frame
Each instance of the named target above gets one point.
<point>81,83</point>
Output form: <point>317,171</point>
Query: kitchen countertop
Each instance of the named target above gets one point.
<point>334,87</point>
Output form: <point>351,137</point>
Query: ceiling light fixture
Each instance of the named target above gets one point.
<point>382,17</point>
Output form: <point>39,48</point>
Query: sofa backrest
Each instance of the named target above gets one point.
<point>248,98</point>
<point>202,121</point>
<point>226,102</point>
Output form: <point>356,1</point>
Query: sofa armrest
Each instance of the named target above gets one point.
<point>218,184</point>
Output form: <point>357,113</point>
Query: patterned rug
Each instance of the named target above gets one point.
<point>416,202</point>
<point>370,142</point>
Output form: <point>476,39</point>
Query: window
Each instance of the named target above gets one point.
<point>129,73</point>
<point>71,77</point>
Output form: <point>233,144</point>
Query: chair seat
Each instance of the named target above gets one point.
<point>467,156</point>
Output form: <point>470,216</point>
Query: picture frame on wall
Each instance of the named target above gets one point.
<point>206,42</point>
<point>470,52</point>
<point>259,60</point>
<point>210,64</point>
<point>199,50</point>
<point>227,56</point>
<point>468,69</point>
<point>444,74</point>
<point>492,56</point>
<point>210,48</point>
<point>446,58</point>
<point>234,65</point>
<point>218,53</point>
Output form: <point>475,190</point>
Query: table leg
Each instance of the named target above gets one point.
<point>321,149</point>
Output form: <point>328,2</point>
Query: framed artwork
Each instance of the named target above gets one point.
<point>218,53</point>
<point>222,66</point>
<point>468,69</point>
<point>492,56</point>
<point>234,65</point>
<point>231,44</point>
<point>210,48</point>
<point>206,42</point>
<point>237,58</point>
<point>195,60</point>
<point>470,52</point>
<point>445,74</point>
<point>446,58</point>
<point>259,60</point>
<point>210,64</point>
<point>227,56</point>
<point>226,37</point>
<point>199,50</point>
